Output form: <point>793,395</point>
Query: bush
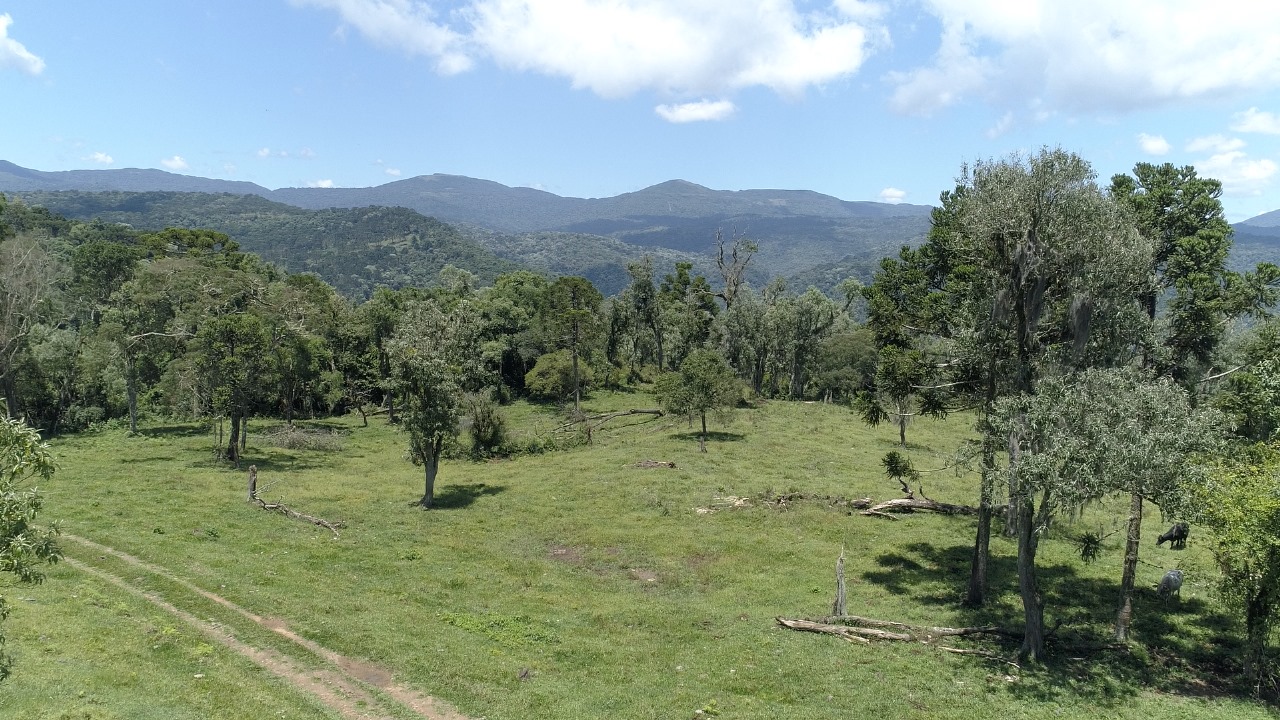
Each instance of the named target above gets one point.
<point>487,426</point>
<point>552,376</point>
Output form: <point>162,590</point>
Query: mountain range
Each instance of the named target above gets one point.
<point>803,235</point>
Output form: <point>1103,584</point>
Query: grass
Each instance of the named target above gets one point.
<point>574,585</point>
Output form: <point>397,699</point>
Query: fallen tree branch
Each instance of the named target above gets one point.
<point>908,633</point>
<point>285,509</point>
<point>606,417</point>
<point>291,513</point>
<point>911,504</point>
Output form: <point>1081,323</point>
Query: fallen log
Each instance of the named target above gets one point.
<point>844,631</point>
<point>911,504</point>
<point>291,513</point>
<point>906,633</point>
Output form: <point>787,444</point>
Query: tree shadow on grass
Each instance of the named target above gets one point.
<point>173,431</point>
<point>712,436</point>
<point>456,497</point>
<point>1185,646</point>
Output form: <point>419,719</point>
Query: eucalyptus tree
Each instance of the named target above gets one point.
<point>30,284</point>
<point>435,358</point>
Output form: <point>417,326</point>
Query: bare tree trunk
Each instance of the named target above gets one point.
<point>976,594</point>
<point>902,430</point>
<point>1124,614</point>
<point>233,441</point>
<point>839,607</point>
<point>1032,604</point>
<point>577,393</point>
<point>253,483</point>
<point>702,439</point>
<point>131,391</point>
<point>10,392</point>
<point>431,466</point>
<point>244,435</point>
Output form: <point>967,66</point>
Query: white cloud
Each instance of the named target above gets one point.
<point>14,54</point>
<point>680,48</point>
<point>892,195</point>
<point>1256,121</point>
<point>1214,143</point>
<point>696,111</point>
<point>306,152</point>
<point>393,172</point>
<point>175,163</point>
<point>1239,174</point>
<point>1093,55</point>
<point>264,152</point>
<point>101,157</point>
<point>320,183</point>
<point>1001,127</point>
<point>409,26</point>
<point>1154,144</point>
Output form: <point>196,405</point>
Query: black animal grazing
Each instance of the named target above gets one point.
<point>1176,537</point>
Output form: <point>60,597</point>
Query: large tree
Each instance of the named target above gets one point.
<point>1047,283</point>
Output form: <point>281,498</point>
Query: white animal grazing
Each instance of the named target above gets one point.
<point>1170,584</point>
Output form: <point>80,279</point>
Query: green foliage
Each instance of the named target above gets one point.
<point>704,383</point>
<point>551,378</point>
<point>1240,503</point>
<point>25,546</point>
<point>486,425</point>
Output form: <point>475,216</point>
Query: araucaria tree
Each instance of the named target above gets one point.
<point>24,545</point>
<point>435,358</point>
<point>704,383</point>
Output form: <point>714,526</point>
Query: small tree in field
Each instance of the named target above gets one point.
<point>24,546</point>
<point>704,382</point>
<point>434,358</point>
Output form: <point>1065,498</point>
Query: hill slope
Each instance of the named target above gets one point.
<point>354,249</point>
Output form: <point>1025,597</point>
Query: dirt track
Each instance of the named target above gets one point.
<point>344,686</point>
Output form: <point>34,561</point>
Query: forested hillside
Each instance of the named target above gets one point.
<point>355,250</point>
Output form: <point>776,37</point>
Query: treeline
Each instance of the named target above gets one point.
<point>99,321</point>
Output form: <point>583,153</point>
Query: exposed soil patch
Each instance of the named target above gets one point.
<point>341,688</point>
<point>565,554</point>
<point>644,575</point>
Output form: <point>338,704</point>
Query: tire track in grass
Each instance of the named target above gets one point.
<point>345,681</point>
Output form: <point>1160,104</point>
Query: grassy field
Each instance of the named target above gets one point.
<point>571,584</point>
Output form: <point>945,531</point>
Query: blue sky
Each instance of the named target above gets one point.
<point>590,98</point>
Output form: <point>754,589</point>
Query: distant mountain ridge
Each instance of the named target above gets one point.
<point>794,229</point>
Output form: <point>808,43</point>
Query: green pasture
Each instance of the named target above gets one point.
<point>573,584</point>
